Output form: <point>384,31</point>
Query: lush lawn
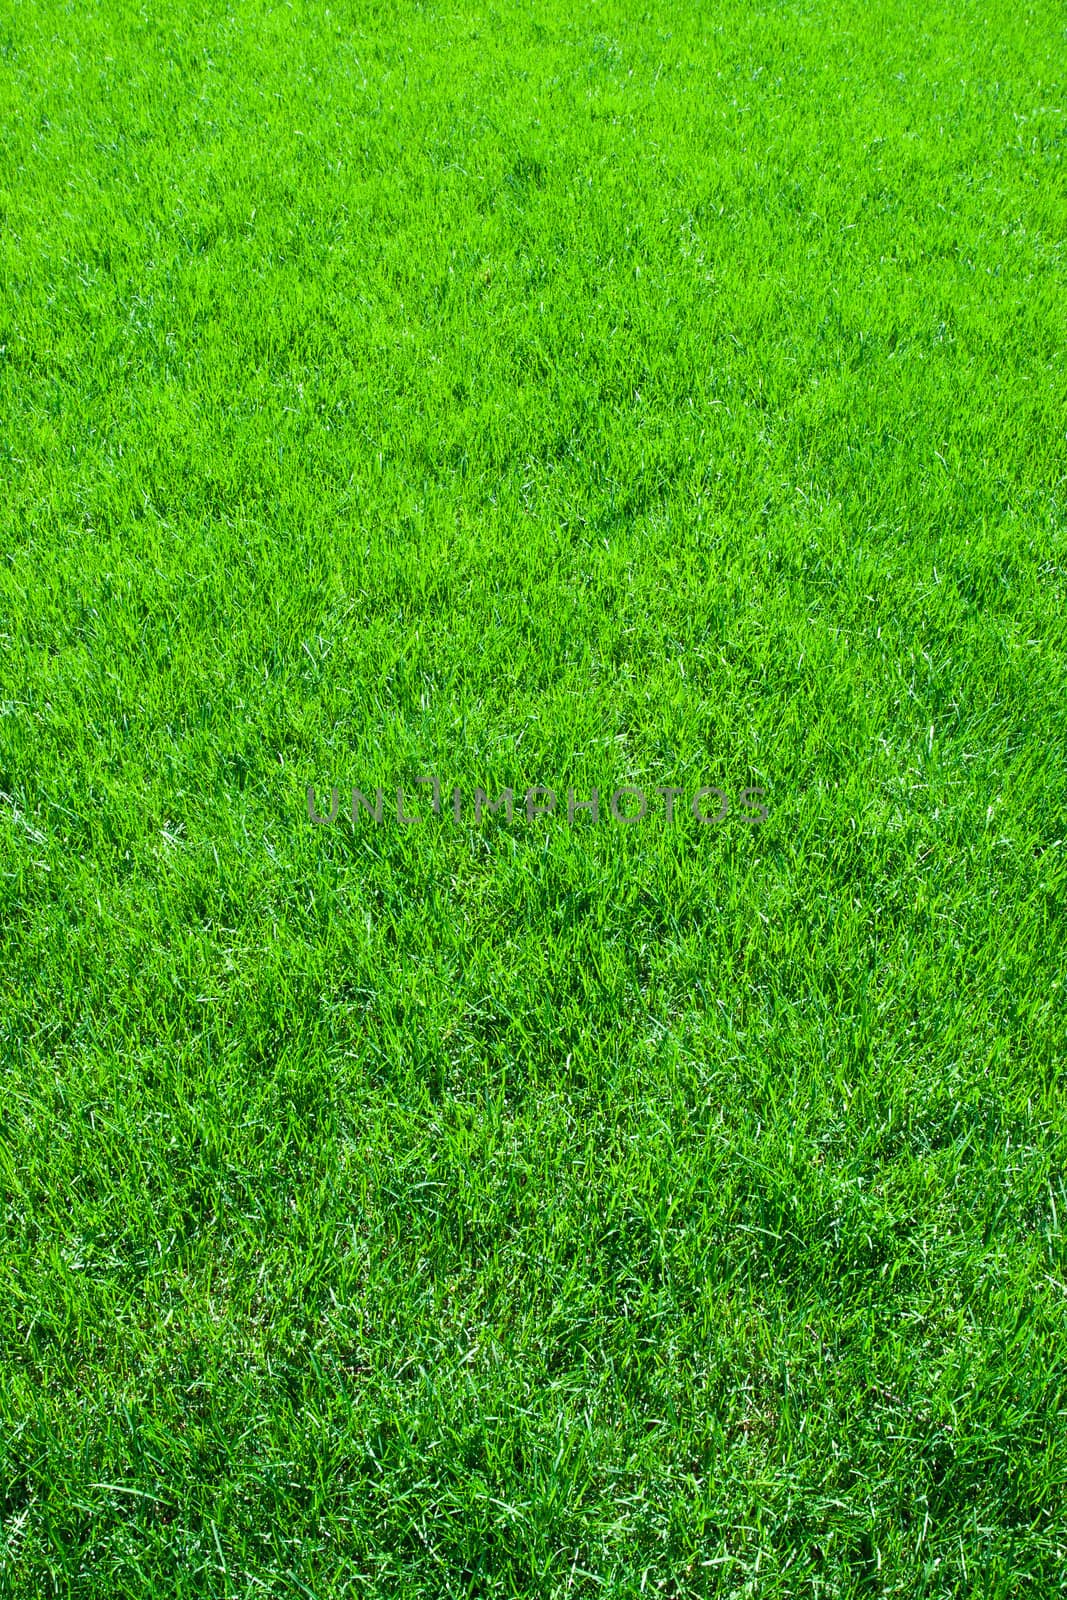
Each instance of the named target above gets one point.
<point>529,395</point>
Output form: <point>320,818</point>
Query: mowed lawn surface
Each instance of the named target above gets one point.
<point>570,396</point>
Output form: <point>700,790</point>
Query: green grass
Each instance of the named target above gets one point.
<point>533,395</point>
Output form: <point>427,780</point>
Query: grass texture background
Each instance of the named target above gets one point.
<point>592,394</point>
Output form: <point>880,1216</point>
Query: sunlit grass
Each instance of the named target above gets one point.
<point>614,397</point>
